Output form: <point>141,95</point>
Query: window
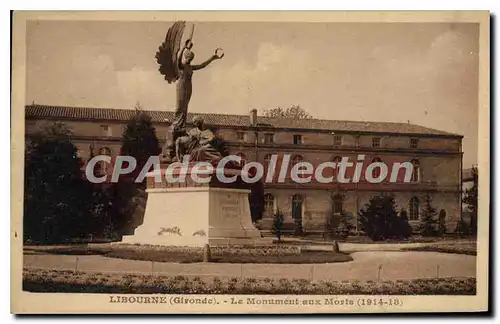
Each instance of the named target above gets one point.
<point>102,166</point>
<point>267,158</point>
<point>243,159</point>
<point>337,160</point>
<point>219,134</point>
<point>268,206</point>
<point>297,159</point>
<point>376,141</point>
<point>268,138</point>
<point>414,207</point>
<point>105,130</point>
<point>297,139</point>
<point>376,171</point>
<point>105,151</point>
<point>338,202</point>
<point>413,143</point>
<point>337,140</point>
<point>415,174</point>
<point>297,206</point>
<point>240,136</point>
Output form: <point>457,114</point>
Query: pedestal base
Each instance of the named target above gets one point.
<point>195,216</point>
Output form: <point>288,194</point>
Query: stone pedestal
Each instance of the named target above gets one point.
<point>190,213</point>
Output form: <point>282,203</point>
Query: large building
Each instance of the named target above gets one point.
<point>435,156</point>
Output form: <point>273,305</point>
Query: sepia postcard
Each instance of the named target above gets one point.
<point>250,162</point>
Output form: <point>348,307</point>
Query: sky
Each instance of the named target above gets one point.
<point>425,73</point>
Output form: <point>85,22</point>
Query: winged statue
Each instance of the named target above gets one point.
<point>175,64</point>
<point>168,51</point>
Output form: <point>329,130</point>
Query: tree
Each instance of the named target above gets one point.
<point>338,222</point>
<point>379,218</point>
<point>295,112</point>
<point>56,195</point>
<point>278,220</point>
<point>462,228</point>
<point>442,223</point>
<point>428,221</point>
<point>470,198</point>
<point>344,227</point>
<point>297,226</point>
<point>404,228</point>
<point>129,198</point>
<point>139,138</point>
<point>101,207</point>
<point>256,200</point>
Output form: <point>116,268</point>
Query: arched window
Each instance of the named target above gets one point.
<point>336,159</point>
<point>414,207</point>
<point>376,171</point>
<point>415,175</point>
<point>243,158</point>
<point>102,166</point>
<point>105,151</point>
<point>338,204</point>
<point>268,205</point>
<point>297,206</point>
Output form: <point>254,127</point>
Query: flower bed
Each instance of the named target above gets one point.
<point>40,280</point>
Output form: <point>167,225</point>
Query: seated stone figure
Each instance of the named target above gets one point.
<point>198,143</point>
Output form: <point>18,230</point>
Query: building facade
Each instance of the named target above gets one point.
<point>435,156</point>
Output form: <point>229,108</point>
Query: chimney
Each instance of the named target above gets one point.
<point>253,117</point>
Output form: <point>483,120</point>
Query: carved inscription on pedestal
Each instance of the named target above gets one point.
<point>230,206</point>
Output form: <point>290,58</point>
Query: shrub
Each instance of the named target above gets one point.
<point>442,223</point>
<point>428,220</point>
<point>344,227</point>
<point>278,220</point>
<point>297,226</point>
<point>462,228</point>
<point>470,200</point>
<point>404,228</point>
<point>379,219</point>
<point>337,224</point>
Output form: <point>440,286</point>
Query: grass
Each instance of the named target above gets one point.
<point>304,257</point>
<point>411,239</point>
<point>458,247</point>
<point>40,280</point>
<point>233,254</point>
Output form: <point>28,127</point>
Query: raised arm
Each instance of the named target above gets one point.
<point>204,64</point>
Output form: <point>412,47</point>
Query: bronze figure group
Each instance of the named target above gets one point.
<point>176,66</point>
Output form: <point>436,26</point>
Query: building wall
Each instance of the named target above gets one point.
<point>439,165</point>
<point>317,205</point>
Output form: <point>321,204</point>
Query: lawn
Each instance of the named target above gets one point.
<point>230,254</point>
<point>43,280</point>
<point>467,247</point>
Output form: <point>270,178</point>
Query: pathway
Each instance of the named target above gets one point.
<point>393,265</point>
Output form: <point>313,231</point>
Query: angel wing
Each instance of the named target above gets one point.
<point>167,53</point>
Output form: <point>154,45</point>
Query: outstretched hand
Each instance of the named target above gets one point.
<point>219,53</point>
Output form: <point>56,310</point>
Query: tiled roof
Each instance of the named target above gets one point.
<point>45,111</point>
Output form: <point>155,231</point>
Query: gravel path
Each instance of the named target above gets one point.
<point>388,265</point>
